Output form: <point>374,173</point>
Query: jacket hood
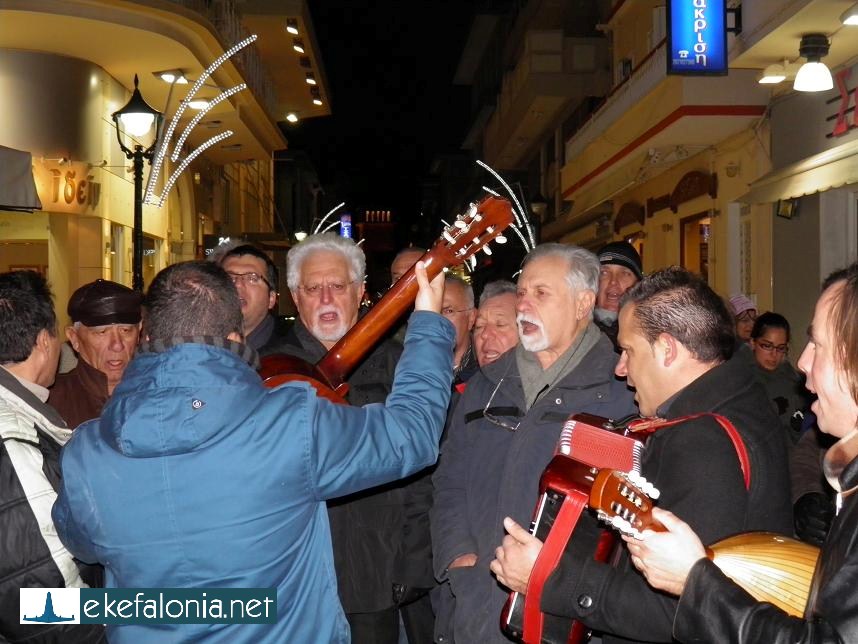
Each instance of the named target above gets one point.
<point>178,400</point>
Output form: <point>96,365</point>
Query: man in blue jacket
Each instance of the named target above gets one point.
<point>198,476</point>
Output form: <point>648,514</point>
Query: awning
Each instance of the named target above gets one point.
<point>17,187</point>
<point>830,169</point>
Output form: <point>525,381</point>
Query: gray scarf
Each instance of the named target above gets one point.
<point>535,381</point>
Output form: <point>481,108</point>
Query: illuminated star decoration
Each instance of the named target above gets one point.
<point>158,200</point>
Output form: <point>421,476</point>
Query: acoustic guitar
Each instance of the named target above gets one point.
<point>770,567</point>
<point>468,234</point>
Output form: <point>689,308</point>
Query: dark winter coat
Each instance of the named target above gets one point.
<point>31,555</point>
<point>487,472</point>
<point>695,466</point>
<point>80,394</point>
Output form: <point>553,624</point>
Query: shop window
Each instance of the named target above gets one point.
<point>694,243</point>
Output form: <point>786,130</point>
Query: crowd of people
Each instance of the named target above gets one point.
<point>160,459</point>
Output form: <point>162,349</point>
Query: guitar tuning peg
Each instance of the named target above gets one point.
<point>632,476</point>
<point>487,250</point>
<point>500,239</point>
<point>460,224</point>
<point>653,492</point>
<point>478,217</point>
<point>446,234</point>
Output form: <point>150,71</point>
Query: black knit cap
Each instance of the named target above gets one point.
<point>104,302</point>
<point>623,254</point>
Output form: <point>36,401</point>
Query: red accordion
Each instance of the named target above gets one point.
<point>586,442</point>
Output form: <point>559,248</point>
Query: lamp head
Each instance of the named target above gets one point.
<point>137,116</point>
<point>814,75</point>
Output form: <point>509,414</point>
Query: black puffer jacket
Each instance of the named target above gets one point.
<point>367,527</point>
<point>31,554</point>
<point>713,609</point>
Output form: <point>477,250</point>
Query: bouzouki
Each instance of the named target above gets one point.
<point>770,567</point>
<point>469,233</point>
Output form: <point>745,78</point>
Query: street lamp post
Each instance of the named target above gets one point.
<point>137,118</point>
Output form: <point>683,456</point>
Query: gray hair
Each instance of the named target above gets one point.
<point>467,288</point>
<point>330,242</point>
<point>584,266</point>
<point>498,287</point>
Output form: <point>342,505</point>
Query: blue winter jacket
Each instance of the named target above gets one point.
<point>198,476</point>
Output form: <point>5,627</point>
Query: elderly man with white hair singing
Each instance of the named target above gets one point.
<point>505,428</point>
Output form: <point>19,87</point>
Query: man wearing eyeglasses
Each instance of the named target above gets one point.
<point>458,307</point>
<point>255,277</point>
<point>325,274</point>
<point>506,425</point>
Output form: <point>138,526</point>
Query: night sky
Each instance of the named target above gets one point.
<point>390,68</point>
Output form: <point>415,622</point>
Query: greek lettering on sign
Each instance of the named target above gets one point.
<point>842,125</point>
<point>700,46</point>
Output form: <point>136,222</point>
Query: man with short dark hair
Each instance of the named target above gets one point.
<point>31,435</point>
<point>197,476</point>
<point>620,270</point>
<point>256,278</point>
<point>505,427</point>
<point>104,332</point>
<point>677,340</point>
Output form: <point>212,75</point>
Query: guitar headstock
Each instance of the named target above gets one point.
<point>623,500</point>
<point>475,228</point>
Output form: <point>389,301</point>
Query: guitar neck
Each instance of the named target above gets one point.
<point>344,357</point>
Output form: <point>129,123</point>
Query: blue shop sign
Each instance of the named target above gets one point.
<point>697,37</point>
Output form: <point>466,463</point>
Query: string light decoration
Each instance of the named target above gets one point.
<point>161,152</point>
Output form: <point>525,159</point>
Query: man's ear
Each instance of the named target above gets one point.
<point>361,291</point>
<point>472,318</point>
<point>272,299</point>
<point>71,334</point>
<point>584,302</point>
<point>668,347</point>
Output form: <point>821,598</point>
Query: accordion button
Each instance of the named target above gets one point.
<point>585,601</point>
<point>558,401</point>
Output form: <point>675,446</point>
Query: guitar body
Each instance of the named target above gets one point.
<point>279,369</point>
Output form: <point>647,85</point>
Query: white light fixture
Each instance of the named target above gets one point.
<point>298,46</point>
<point>317,101</point>
<point>850,16</point>
<point>773,74</point>
<point>311,78</point>
<point>292,117</point>
<point>814,75</point>
<point>300,235</point>
<point>292,26</point>
<point>137,116</point>
<point>198,104</point>
<point>171,76</point>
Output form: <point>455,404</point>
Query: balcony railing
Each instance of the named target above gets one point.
<point>227,21</point>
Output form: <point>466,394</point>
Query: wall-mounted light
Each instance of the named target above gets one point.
<point>171,76</point>
<point>850,16</point>
<point>317,101</point>
<point>298,45</point>
<point>292,26</point>
<point>311,78</point>
<point>773,74</point>
<point>814,75</point>
<point>316,94</point>
<point>198,104</point>
<point>300,235</point>
<point>292,117</point>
